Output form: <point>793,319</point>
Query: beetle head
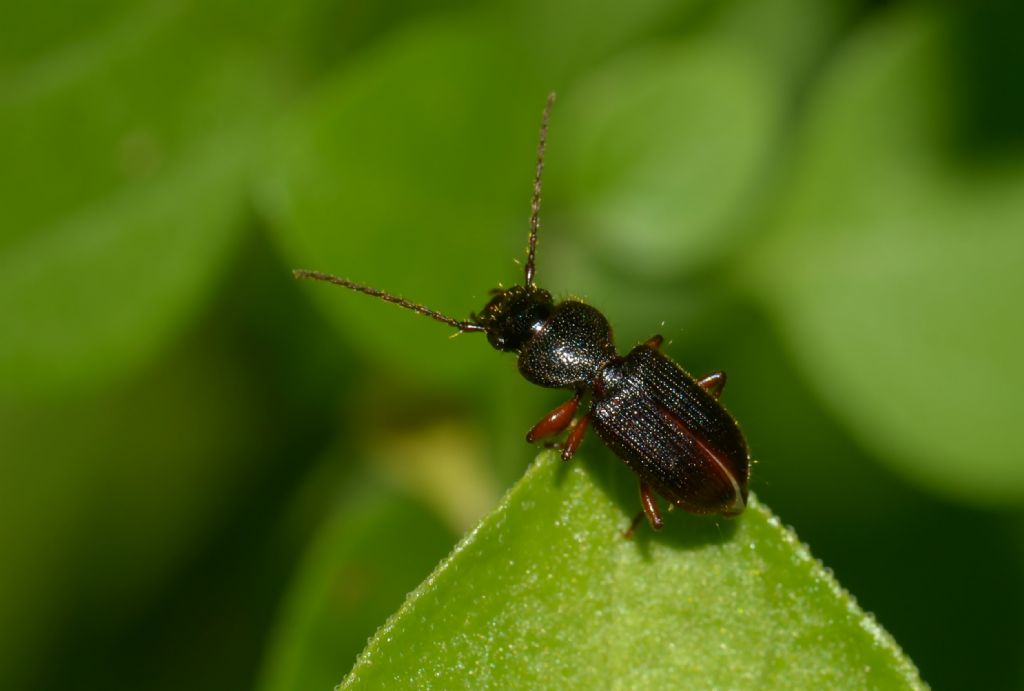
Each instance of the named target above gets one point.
<point>513,315</point>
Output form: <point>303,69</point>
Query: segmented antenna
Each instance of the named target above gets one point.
<point>465,326</point>
<point>531,252</point>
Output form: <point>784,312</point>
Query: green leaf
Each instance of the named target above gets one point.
<point>368,555</point>
<point>547,593</point>
<point>893,267</point>
<point>125,150</point>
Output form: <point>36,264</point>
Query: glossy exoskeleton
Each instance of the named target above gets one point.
<point>667,426</point>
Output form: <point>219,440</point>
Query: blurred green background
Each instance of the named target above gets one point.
<point>825,199</point>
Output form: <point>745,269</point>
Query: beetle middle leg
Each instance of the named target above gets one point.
<point>575,438</point>
<point>713,383</point>
<point>556,421</point>
<point>654,341</point>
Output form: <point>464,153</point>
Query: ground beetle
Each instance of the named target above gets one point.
<point>667,426</point>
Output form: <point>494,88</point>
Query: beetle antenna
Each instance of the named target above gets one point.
<point>531,252</point>
<point>466,326</point>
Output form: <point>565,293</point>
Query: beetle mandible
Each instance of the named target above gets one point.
<point>668,427</point>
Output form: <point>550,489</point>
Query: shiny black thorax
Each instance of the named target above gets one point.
<point>563,346</point>
<point>570,349</point>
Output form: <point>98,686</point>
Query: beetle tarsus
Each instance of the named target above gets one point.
<point>629,532</point>
<point>575,438</point>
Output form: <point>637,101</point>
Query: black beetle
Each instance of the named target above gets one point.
<point>666,425</point>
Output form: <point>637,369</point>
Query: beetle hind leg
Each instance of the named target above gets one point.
<point>713,383</point>
<point>649,502</point>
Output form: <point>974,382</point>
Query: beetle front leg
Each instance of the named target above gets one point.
<point>713,383</point>
<point>555,421</point>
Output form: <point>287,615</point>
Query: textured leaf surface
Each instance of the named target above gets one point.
<point>547,593</point>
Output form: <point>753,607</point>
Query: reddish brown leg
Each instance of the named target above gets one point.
<point>654,341</point>
<point>575,438</point>
<point>555,421</point>
<point>713,383</point>
<point>650,505</point>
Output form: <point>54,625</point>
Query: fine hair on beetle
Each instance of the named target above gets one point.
<point>666,425</point>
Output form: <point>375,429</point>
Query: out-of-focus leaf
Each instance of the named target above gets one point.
<point>563,38</point>
<point>102,499</point>
<point>98,293</point>
<point>663,147</point>
<point>367,557</point>
<point>122,177</point>
<point>440,462</point>
<point>31,31</point>
<point>893,267</point>
<point>546,592</point>
<point>415,186</point>
<point>790,37</point>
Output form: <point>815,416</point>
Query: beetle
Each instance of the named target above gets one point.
<point>667,426</point>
